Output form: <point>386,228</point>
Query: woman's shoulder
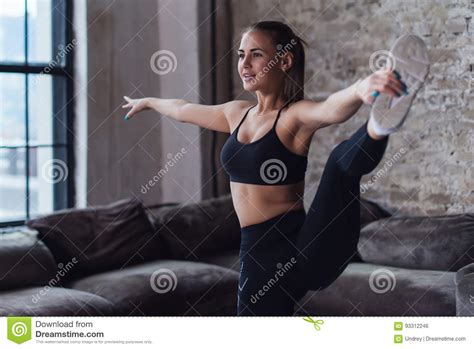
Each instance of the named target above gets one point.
<point>243,104</point>
<point>237,107</point>
<point>305,110</point>
<point>303,104</point>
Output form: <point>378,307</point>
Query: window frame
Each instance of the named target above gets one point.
<point>62,33</point>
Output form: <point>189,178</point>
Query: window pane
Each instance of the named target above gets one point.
<point>40,112</point>
<point>12,184</point>
<point>48,179</point>
<point>12,109</point>
<point>39,31</point>
<point>12,31</point>
<point>47,115</point>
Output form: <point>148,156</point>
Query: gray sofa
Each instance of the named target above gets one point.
<point>172,259</point>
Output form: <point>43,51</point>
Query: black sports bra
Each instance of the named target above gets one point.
<point>265,161</point>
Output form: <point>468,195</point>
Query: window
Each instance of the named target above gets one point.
<point>35,108</point>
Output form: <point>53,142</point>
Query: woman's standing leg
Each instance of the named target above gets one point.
<point>266,253</point>
<point>328,238</point>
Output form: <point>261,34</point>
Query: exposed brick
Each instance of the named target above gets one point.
<point>440,126</point>
<point>456,25</point>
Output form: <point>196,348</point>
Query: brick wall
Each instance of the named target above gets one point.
<point>430,161</point>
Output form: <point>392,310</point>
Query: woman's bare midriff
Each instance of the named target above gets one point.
<point>257,203</point>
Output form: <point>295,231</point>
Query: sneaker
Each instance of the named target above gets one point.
<point>411,62</point>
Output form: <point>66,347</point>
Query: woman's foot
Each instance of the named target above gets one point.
<point>411,63</point>
<point>373,134</point>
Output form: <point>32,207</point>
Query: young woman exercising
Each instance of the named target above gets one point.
<point>284,250</point>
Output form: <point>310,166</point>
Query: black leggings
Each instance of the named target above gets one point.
<point>287,255</point>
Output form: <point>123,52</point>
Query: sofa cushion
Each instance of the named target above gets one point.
<point>192,231</point>
<point>371,211</point>
<point>166,287</point>
<point>54,301</point>
<point>376,290</point>
<point>24,260</point>
<point>464,280</point>
<point>229,259</point>
<point>437,242</point>
<point>99,238</point>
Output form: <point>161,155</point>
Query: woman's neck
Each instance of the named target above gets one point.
<point>268,103</point>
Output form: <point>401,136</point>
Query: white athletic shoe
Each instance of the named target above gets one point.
<point>411,61</point>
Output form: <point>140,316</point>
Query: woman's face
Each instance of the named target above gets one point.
<point>259,65</point>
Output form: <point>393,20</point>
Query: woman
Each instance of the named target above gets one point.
<point>285,251</point>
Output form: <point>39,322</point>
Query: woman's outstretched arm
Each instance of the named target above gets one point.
<point>213,117</point>
<point>343,104</point>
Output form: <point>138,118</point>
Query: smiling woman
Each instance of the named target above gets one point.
<point>277,44</point>
<point>266,159</point>
<point>280,54</point>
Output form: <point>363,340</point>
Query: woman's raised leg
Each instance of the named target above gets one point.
<point>328,238</point>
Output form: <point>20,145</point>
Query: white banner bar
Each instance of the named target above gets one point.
<point>238,332</point>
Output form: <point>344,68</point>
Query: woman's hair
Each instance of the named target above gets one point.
<point>285,40</point>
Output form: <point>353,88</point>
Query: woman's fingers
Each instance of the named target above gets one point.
<point>128,104</point>
<point>388,89</point>
<point>383,81</point>
<point>129,114</point>
<point>388,82</point>
<point>396,84</point>
<point>370,99</point>
<point>390,77</point>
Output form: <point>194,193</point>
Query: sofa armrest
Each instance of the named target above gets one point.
<point>464,280</point>
<point>24,260</point>
<point>443,242</point>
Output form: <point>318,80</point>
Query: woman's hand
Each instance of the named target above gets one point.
<point>137,105</point>
<point>382,81</point>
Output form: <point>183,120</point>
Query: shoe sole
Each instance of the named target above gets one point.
<point>411,61</point>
